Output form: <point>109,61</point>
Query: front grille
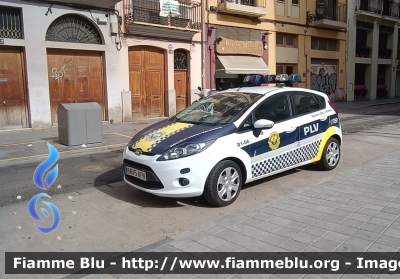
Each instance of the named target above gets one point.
<point>152,183</point>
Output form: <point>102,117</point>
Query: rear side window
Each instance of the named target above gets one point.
<point>322,101</point>
<point>307,102</point>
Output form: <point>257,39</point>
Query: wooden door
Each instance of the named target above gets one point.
<point>147,81</point>
<point>181,89</point>
<point>13,101</point>
<point>75,77</point>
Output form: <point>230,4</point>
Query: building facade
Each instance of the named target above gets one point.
<point>162,55</point>
<point>234,43</point>
<point>55,54</point>
<point>373,50</point>
<point>296,37</point>
<point>136,59</point>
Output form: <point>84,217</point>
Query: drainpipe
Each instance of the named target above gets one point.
<point>203,47</point>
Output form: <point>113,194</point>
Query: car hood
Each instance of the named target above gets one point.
<point>162,136</point>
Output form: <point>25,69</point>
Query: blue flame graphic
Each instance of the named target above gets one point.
<point>40,171</point>
<point>34,214</point>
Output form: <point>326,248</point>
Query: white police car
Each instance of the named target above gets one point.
<point>234,137</point>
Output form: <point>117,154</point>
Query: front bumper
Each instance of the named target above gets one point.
<point>163,177</point>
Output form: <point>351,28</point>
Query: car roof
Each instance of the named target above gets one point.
<point>255,89</point>
<point>262,90</point>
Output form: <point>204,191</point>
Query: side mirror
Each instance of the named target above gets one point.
<point>263,124</point>
<point>199,88</point>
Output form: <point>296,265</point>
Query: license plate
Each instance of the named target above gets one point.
<point>135,173</point>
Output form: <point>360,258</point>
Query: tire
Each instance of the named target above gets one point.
<point>330,156</point>
<point>219,174</point>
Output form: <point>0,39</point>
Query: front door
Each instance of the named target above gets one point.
<point>13,102</point>
<point>272,150</point>
<point>181,89</point>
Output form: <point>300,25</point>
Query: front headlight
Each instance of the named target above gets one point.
<point>185,150</point>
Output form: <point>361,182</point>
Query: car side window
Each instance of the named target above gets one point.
<point>307,102</point>
<point>275,108</point>
<point>247,125</point>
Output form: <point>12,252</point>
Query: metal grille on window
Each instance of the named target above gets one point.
<point>73,29</point>
<point>180,59</point>
<point>10,23</point>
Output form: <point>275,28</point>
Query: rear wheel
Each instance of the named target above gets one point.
<point>330,156</point>
<point>223,184</point>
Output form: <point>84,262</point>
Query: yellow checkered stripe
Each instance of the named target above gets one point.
<point>146,144</point>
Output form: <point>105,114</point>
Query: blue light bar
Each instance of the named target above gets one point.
<point>257,80</point>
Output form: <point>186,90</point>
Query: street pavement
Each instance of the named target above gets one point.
<point>27,145</point>
<point>354,211</point>
<point>101,213</point>
<point>350,208</point>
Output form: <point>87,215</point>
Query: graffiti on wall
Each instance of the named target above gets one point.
<point>324,79</point>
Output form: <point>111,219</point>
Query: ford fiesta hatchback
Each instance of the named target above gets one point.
<point>234,137</point>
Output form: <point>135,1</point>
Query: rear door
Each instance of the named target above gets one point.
<point>309,109</point>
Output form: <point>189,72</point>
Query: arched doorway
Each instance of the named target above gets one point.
<point>75,76</point>
<point>147,81</point>
<point>181,79</point>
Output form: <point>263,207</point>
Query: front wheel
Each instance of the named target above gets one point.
<point>223,184</point>
<point>330,156</point>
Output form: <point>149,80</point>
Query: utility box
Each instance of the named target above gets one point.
<point>80,123</point>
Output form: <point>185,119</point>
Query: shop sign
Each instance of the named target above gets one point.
<point>169,8</point>
<point>227,46</point>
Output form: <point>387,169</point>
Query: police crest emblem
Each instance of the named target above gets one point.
<point>274,140</point>
<point>155,136</point>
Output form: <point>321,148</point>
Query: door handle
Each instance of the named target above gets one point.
<point>155,97</point>
<point>291,129</point>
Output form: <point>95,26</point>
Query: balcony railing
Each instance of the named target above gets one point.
<point>362,51</point>
<point>335,11</point>
<point>385,53</point>
<point>186,15</point>
<point>373,6</point>
<point>394,9</point>
<point>382,7</point>
<point>251,3</point>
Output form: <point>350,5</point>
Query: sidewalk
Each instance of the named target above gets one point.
<point>367,103</point>
<point>355,211</point>
<point>18,146</point>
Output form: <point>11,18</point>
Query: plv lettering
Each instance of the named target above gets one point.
<point>311,129</point>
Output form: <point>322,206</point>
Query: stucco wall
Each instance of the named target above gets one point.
<point>35,25</point>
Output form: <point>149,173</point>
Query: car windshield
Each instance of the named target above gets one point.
<point>217,109</point>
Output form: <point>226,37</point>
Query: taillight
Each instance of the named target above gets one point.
<point>333,107</point>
